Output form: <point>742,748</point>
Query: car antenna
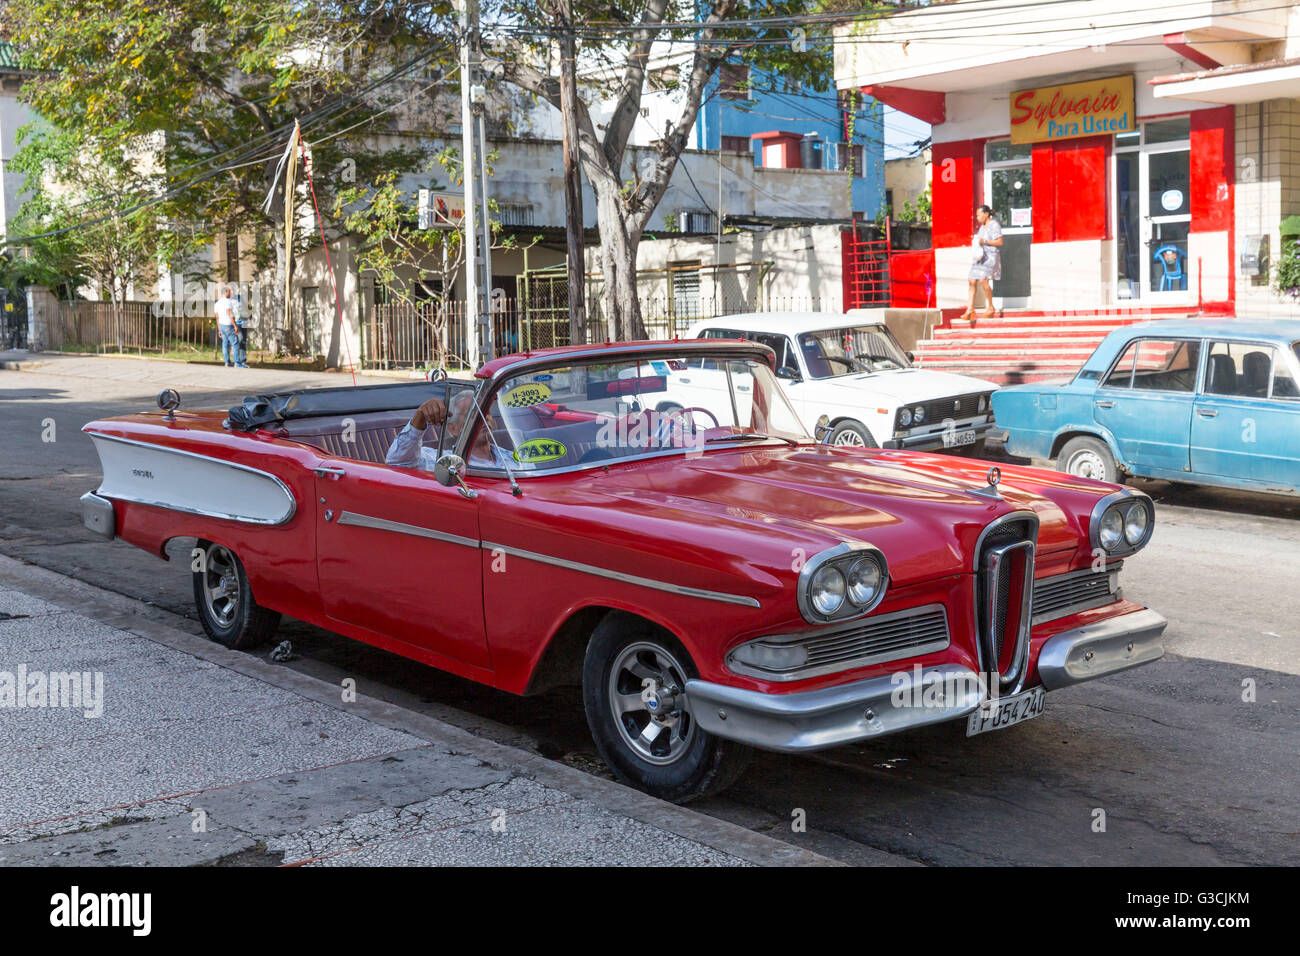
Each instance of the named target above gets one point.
<point>514,485</point>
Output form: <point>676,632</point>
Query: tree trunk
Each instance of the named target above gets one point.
<point>618,248</point>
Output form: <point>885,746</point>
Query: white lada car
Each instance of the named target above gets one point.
<point>853,372</point>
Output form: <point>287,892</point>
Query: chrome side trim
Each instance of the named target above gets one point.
<point>399,527</point>
<point>202,512</point>
<point>830,716</point>
<point>97,515</point>
<point>1106,647</point>
<point>621,576</point>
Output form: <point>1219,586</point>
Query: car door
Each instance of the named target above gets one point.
<point>1246,421</point>
<point>1145,401</point>
<point>398,553</point>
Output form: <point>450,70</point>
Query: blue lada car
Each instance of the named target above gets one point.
<point>1209,401</point>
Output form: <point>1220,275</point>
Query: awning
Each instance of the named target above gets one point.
<point>1247,83</point>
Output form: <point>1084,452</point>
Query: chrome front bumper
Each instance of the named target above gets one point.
<point>97,515</point>
<point>816,719</point>
<point>930,441</point>
<point>831,716</point>
<point>1095,650</point>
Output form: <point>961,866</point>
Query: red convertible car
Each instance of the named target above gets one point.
<point>714,579</point>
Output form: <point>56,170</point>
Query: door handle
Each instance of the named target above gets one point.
<point>1208,412</point>
<point>329,471</point>
<point>1104,403</point>
<point>684,381</point>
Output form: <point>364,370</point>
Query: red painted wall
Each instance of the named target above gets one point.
<point>908,275</point>
<point>1069,189</point>
<point>1213,158</point>
<point>954,175</point>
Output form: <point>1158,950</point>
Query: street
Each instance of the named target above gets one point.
<point>1188,761</point>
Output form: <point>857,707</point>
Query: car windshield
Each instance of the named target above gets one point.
<point>594,413</point>
<point>851,351</point>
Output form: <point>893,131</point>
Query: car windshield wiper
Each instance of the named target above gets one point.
<point>750,436</point>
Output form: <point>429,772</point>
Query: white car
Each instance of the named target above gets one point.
<point>856,374</point>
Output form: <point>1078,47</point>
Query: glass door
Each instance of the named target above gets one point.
<point>1153,212</point>
<point>1007,191</point>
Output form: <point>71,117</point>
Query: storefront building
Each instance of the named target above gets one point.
<point>1111,193</point>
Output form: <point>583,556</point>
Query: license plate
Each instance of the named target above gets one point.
<point>1006,711</point>
<point>957,439</point>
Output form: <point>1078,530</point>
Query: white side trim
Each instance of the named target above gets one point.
<point>150,474</point>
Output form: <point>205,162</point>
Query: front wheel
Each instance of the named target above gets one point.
<point>224,599</point>
<point>1088,457</point>
<point>634,692</point>
<point>851,434</point>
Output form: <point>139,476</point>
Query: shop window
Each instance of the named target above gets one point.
<point>1004,151</point>
<point>1176,130</point>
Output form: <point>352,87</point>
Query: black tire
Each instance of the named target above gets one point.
<point>852,435</point>
<point>706,765</point>
<point>234,619</point>
<point>1088,457</point>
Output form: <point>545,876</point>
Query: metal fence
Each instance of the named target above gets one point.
<point>432,333</point>
<point>133,327</point>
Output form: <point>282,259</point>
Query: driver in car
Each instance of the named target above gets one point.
<point>409,451</point>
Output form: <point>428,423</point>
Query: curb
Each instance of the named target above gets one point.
<point>163,627</point>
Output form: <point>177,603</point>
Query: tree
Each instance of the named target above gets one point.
<point>406,260</point>
<point>218,85</point>
<point>119,250</point>
<point>616,45</point>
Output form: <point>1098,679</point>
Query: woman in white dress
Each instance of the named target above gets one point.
<point>986,250</point>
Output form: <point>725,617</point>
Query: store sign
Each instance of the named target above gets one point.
<point>1076,109</point>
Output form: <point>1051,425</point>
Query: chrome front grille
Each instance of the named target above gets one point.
<point>878,639</point>
<point>1064,594</point>
<point>1004,591</point>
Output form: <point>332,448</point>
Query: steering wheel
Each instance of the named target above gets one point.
<point>692,409</point>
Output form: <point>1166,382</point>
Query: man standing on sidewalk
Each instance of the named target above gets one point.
<point>228,330</point>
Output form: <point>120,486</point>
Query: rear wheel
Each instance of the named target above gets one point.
<point>851,434</point>
<point>633,687</point>
<point>1087,457</point>
<point>224,599</point>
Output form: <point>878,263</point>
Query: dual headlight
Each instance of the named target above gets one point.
<point>842,582</point>
<point>1122,522</point>
<point>911,416</point>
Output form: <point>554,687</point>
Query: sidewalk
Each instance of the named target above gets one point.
<point>206,756</point>
<point>165,373</point>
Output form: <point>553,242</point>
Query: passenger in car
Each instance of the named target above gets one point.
<point>409,451</point>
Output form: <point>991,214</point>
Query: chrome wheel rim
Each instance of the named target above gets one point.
<point>1087,464</point>
<point>647,699</point>
<point>849,438</point>
<point>221,585</point>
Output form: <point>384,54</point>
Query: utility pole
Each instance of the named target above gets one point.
<point>476,224</point>
<point>572,177</point>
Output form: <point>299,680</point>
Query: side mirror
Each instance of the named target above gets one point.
<point>911,357</point>
<point>790,373</point>
<point>448,470</point>
<point>822,430</point>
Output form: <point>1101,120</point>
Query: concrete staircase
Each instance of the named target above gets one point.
<point>1025,346</point>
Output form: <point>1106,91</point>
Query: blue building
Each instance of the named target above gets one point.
<point>740,104</point>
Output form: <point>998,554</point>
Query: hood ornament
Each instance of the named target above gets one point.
<point>993,477</point>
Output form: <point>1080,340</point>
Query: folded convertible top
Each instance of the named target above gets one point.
<point>259,410</point>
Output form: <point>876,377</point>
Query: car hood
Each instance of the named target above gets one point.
<point>921,510</point>
<point>905,387</point>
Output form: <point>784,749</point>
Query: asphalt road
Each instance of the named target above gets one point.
<point>1181,768</point>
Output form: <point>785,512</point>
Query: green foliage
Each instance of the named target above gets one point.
<point>918,211</point>
<point>211,83</point>
<point>1287,276</point>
